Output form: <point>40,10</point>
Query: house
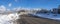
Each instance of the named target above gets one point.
<point>55,10</point>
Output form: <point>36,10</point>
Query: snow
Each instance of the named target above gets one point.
<point>8,19</point>
<point>50,16</point>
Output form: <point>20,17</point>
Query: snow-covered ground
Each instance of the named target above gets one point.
<point>50,16</point>
<point>8,19</point>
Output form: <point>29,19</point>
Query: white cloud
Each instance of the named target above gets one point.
<point>17,9</point>
<point>2,8</point>
<point>8,10</point>
<point>9,4</point>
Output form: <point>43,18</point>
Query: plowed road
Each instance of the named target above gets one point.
<point>27,19</point>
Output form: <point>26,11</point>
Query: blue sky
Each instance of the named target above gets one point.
<point>46,4</point>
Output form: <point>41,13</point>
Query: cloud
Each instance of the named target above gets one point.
<point>17,9</point>
<point>8,9</point>
<point>2,8</point>
<point>9,4</point>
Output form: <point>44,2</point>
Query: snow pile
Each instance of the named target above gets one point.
<point>8,19</point>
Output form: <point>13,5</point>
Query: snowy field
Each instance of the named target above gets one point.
<point>50,16</point>
<point>8,19</point>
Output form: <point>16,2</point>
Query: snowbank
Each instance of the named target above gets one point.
<point>8,19</point>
